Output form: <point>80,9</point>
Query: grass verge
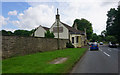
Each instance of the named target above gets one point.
<point>39,62</point>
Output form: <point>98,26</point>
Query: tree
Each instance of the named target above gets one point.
<point>6,33</point>
<point>83,23</point>
<point>49,34</point>
<point>104,33</point>
<point>22,33</point>
<point>100,38</point>
<point>113,23</point>
<point>94,37</point>
<point>116,25</point>
<point>110,39</point>
<point>110,21</point>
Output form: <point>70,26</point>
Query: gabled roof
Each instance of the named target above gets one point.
<point>46,28</point>
<point>73,30</point>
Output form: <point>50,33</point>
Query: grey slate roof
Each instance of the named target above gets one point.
<point>46,28</point>
<point>73,30</point>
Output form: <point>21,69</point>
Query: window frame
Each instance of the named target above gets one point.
<point>77,39</point>
<point>72,39</point>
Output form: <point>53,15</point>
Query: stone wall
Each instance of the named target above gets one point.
<point>15,45</point>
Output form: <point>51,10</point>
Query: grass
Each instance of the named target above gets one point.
<point>39,62</point>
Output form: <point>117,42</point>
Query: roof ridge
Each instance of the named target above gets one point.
<point>72,29</point>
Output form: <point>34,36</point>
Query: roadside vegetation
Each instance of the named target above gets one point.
<point>40,62</point>
<point>112,31</point>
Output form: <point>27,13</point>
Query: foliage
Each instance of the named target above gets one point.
<point>104,33</point>
<point>116,25</point>
<point>110,21</point>
<point>110,39</point>
<point>94,37</point>
<point>83,23</point>
<point>113,23</point>
<point>17,33</point>
<point>22,33</point>
<point>40,62</point>
<point>6,33</point>
<point>100,38</point>
<point>49,34</point>
<point>69,45</point>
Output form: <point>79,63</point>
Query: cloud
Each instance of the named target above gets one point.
<point>12,12</point>
<point>44,13</point>
<point>9,29</point>
<point>3,20</point>
<point>35,16</point>
<point>92,11</point>
<point>119,3</point>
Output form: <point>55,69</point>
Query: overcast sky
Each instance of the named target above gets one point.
<point>29,15</point>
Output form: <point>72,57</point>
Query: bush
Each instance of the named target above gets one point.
<point>49,34</point>
<point>69,45</point>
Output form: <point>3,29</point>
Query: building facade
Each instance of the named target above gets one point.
<point>40,31</point>
<point>63,31</point>
<point>77,38</point>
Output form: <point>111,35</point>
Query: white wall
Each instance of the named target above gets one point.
<point>76,44</point>
<point>40,32</point>
<point>62,35</point>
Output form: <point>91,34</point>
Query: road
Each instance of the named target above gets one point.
<point>103,61</point>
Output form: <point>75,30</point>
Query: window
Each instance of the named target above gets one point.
<point>77,39</point>
<point>55,29</point>
<point>72,39</point>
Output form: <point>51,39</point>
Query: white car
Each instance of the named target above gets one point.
<point>112,44</point>
<point>101,43</point>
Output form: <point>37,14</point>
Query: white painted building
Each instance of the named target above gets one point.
<point>66,32</point>
<point>77,38</point>
<point>40,31</point>
<point>63,31</point>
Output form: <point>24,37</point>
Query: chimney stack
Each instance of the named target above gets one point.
<point>57,16</point>
<point>75,26</point>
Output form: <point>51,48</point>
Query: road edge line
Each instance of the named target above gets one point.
<point>78,61</point>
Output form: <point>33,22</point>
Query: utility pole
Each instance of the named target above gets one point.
<point>57,17</point>
<point>85,36</point>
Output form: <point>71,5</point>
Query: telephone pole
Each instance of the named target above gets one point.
<point>57,17</point>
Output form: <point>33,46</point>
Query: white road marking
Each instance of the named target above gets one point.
<point>109,49</point>
<point>106,54</point>
<point>100,49</point>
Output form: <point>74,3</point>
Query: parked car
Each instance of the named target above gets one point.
<point>112,45</point>
<point>101,43</point>
<point>94,46</point>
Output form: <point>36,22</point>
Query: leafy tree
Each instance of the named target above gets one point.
<point>6,33</point>
<point>100,38</point>
<point>83,23</point>
<point>94,37</point>
<point>49,34</point>
<point>110,21</point>
<point>116,25</point>
<point>104,33</point>
<point>110,39</point>
<point>22,33</point>
<point>113,23</point>
<point>32,32</point>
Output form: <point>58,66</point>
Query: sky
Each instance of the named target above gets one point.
<point>29,14</point>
